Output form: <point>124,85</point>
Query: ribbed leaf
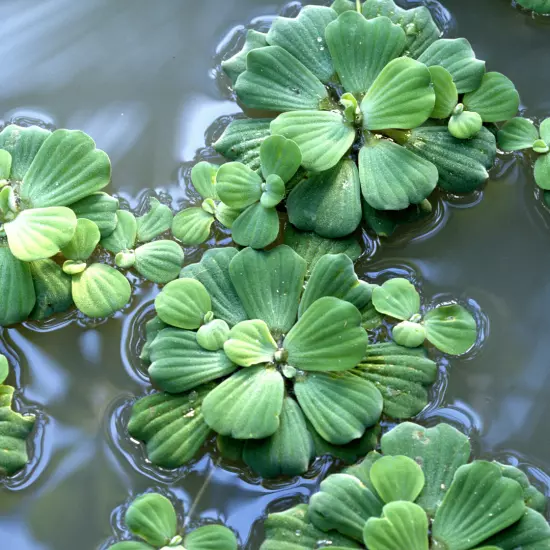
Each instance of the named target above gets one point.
<point>544,130</point>
<point>179,363</point>
<point>225,214</point>
<point>192,225</point>
<point>152,328</point>
<point>250,343</point>
<point>100,290</point>
<point>397,298</point>
<point>213,272</point>
<point>84,241</point>
<point>18,297</point>
<point>516,134</point>
<point>213,335</point>
<point>275,189</point>
<point>361,48</point>
<point>131,545</point>
<point>172,427</point>
<point>211,537</point>
<point>397,478</point>
<point>203,177</point>
<point>237,185</point>
<point>343,503</point>
<point>408,334</point>
<point>451,329</point>
<point>327,337</point>
<point>465,124</point>
<point>280,157</point>
<point>67,168</point>
<point>99,208</point>
<point>125,234</point>
<point>236,65</point>
<point>328,203</point>
<point>531,532</point>
<point>402,96</point>
<point>155,222</point>
<point>542,171</point>
<point>247,405</point>
<point>323,137</point>
<point>393,177</point>
<point>52,288</point>
<point>340,406</point>
<point>160,261</point>
<point>4,368</point>
<point>288,451</point>
<point>256,227</point>
<point>462,164</point>
<point>40,233</point>
<point>269,285</point>
<point>5,165</point>
<point>275,80</point>
<point>457,56</point>
<point>446,95</point>
<point>480,503</point>
<point>352,451</point>
<point>532,496</point>
<point>242,139</point>
<point>304,38</point>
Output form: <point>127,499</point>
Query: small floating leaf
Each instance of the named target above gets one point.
<point>160,261</point>
<point>408,334</point>
<point>213,335</point>
<point>4,368</point>
<point>250,343</point>
<point>84,241</point>
<point>238,186</point>
<point>397,478</point>
<point>542,171</point>
<point>465,124</point>
<point>192,225</point>
<point>397,298</point>
<point>516,134</point>
<point>52,288</point>
<point>99,208</point>
<point>280,157</point>
<point>446,95</point>
<point>451,329</point>
<point>256,227</point>
<point>124,236</point>
<point>274,191</point>
<point>155,222</point>
<point>236,65</point>
<point>211,537</point>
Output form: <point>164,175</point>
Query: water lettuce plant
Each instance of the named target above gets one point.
<point>15,428</point>
<point>450,328</point>
<point>420,492</point>
<point>538,6</point>
<point>382,108</point>
<point>241,349</point>
<point>152,520</point>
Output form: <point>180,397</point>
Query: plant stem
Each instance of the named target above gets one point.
<point>358,5</point>
<point>201,492</point>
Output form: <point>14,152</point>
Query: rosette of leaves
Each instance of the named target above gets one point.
<point>240,349</point>
<point>419,493</point>
<point>538,6</point>
<point>158,261</point>
<point>364,91</point>
<point>152,520</point>
<point>15,428</point>
<point>521,134</point>
<point>450,328</point>
<point>43,175</point>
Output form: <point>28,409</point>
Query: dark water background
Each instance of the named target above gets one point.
<point>140,77</point>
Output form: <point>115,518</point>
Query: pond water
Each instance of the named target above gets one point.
<point>140,78</point>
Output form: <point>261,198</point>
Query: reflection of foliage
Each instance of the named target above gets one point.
<point>419,493</point>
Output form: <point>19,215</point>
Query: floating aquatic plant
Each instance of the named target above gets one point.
<point>419,493</point>
<point>240,349</point>
<point>152,520</point>
<point>538,6</point>
<point>15,428</point>
<point>366,92</point>
<point>450,328</point>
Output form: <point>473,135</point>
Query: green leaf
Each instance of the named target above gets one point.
<point>211,537</point>
<point>4,368</point>
<point>361,48</point>
<point>544,130</point>
<point>542,171</point>
<point>340,406</point>
<point>288,451</point>
<point>52,288</point>
<point>291,530</point>
<point>440,451</point>
<point>480,503</point>
<point>242,139</point>
<point>152,518</point>
<point>458,58</point>
<point>18,297</point>
<point>274,191</point>
<point>417,23</point>
<point>183,303</point>
<point>384,222</point>
<point>539,146</point>
<point>328,203</point>
<point>131,545</point>
<point>40,233</point>
<point>180,364</point>
<point>401,375</point>
<point>397,478</point>
<point>213,335</point>
<point>5,165</point>
<point>334,275</point>
<point>451,329</point>
<point>531,532</point>
<point>327,337</point>
<point>238,186</point>
<point>280,157</point>
<point>304,38</point>
<point>344,504</point>
<point>256,227</point>
<point>125,234</point>
<point>100,290</point>
<point>393,177</point>
<point>462,164</point>
<point>15,429</point>
<point>157,221</point>
<point>323,137</point>
<point>67,168</point>
<point>275,80</point>
<point>269,285</point>
<point>465,124</point>
<point>312,247</point>
<point>22,144</point>
<point>99,208</point>
<point>226,215</point>
<point>370,318</point>
<point>247,405</point>
<point>532,497</point>
<point>160,261</point>
<point>236,65</point>
<point>341,6</point>
<point>172,426</point>
<point>85,239</point>
<point>350,452</point>
<point>397,298</point>
<point>192,225</point>
<point>203,177</point>
<point>152,328</point>
<point>250,343</point>
<point>495,100</point>
<point>402,96</point>
<point>362,470</point>
<point>409,334</point>
<point>402,525</point>
<point>213,272</point>
<point>446,95</point>
<point>538,6</point>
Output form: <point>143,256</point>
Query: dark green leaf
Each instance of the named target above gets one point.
<point>52,288</point>
<point>256,227</point>
<point>99,208</point>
